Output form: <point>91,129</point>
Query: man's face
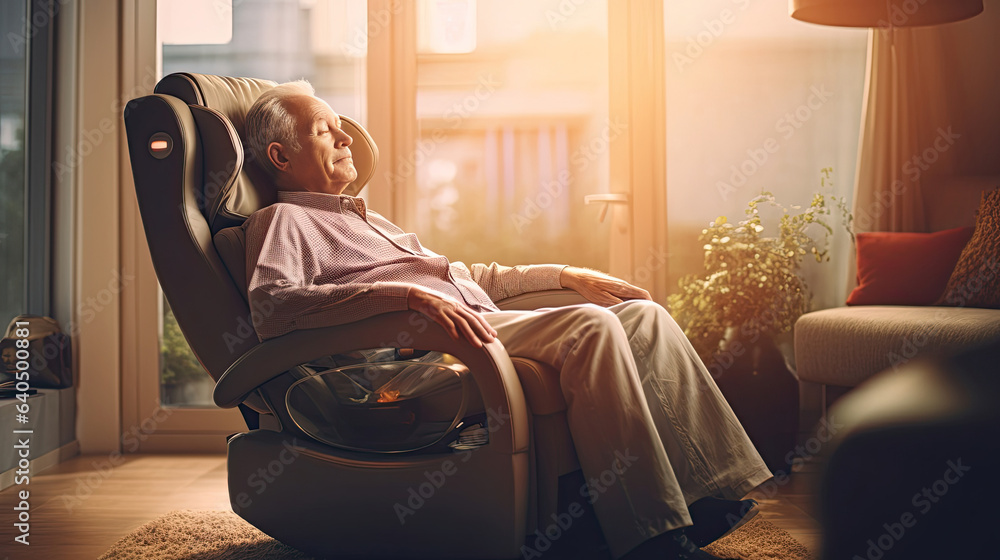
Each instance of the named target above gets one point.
<point>323,163</point>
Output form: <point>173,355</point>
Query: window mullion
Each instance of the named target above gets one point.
<point>39,155</point>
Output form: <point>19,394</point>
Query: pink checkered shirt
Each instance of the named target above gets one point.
<point>325,259</point>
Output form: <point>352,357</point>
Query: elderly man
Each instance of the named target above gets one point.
<point>633,385</point>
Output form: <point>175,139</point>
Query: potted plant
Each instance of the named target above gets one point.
<point>752,283</point>
<point>750,293</point>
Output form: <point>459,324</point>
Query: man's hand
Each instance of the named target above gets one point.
<point>599,288</point>
<point>457,319</point>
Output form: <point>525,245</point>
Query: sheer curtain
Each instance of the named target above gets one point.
<point>930,109</point>
<point>905,118</point>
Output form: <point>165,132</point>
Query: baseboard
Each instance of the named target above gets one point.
<point>39,464</point>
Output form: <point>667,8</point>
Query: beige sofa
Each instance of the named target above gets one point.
<point>841,347</point>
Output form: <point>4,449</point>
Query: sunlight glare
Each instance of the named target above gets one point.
<point>195,22</point>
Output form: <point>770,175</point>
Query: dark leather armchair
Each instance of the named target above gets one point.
<point>194,189</point>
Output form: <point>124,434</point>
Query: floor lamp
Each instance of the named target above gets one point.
<point>891,13</point>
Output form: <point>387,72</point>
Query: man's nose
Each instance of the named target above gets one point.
<point>343,139</point>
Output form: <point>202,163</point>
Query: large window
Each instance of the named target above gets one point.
<point>510,102</point>
<point>757,101</point>
<point>511,118</point>
<point>24,77</point>
<point>13,160</point>
<point>512,113</point>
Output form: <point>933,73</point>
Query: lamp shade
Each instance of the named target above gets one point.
<point>882,13</point>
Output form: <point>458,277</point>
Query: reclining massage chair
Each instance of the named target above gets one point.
<point>348,476</point>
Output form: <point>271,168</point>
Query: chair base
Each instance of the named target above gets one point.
<point>430,506</point>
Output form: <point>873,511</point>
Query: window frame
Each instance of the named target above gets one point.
<point>38,147</point>
<point>391,84</point>
<point>35,297</point>
<point>169,429</point>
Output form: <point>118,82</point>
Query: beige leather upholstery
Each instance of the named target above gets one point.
<point>193,193</point>
<point>541,386</point>
<point>236,186</point>
<point>232,190</point>
<point>231,244</point>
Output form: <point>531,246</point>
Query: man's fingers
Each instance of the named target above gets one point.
<point>486,325</point>
<point>459,321</point>
<point>638,293</point>
<point>481,329</point>
<point>601,297</point>
<point>487,328</point>
<point>449,325</point>
<point>624,289</point>
<point>469,334</point>
<point>467,331</point>
<point>603,294</point>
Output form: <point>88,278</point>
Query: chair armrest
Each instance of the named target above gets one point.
<point>543,298</point>
<point>490,366</point>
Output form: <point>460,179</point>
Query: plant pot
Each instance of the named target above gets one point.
<point>763,394</point>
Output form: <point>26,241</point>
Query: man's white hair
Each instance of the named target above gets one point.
<point>268,120</point>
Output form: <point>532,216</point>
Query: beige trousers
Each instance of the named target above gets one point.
<point>651,429</point>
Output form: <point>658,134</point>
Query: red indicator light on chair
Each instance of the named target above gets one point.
<point>160,145</point>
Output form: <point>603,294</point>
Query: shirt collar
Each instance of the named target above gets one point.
<point>324,201</point>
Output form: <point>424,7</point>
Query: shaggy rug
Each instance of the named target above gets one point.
<point>222,535</point>
<point>759,539</point>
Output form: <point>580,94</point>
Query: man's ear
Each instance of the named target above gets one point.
<point>276,153</point>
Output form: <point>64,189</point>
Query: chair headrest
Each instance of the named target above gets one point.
<point>235,187</point>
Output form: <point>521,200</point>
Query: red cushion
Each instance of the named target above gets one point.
<point>906,268</point>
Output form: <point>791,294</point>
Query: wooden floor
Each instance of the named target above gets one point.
<point>81,507</point>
